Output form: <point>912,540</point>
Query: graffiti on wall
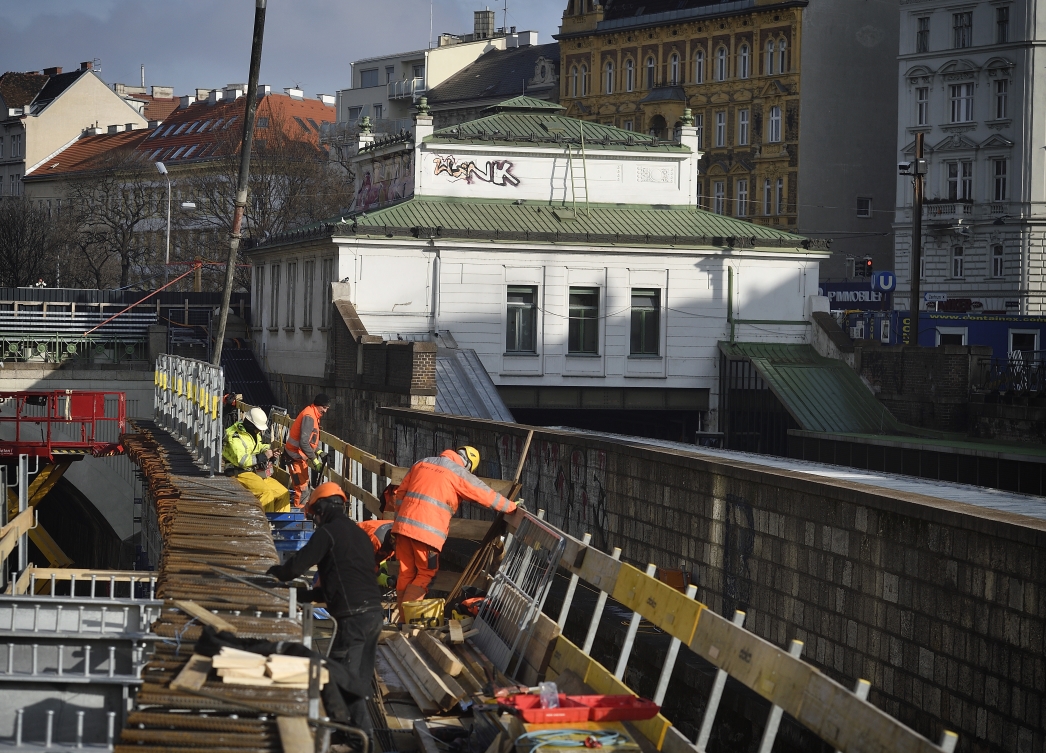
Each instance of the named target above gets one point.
<point>384,180</point>
<point>496,172</point>
<point>738,544</point>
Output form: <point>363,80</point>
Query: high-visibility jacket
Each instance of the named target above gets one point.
<point>304,436</point>
<point>243,449</point>
<point>377,530</point>
<point>430,493</point>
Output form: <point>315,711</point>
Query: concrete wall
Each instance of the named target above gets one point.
<point>1018,419</point>
<point>940,605</point>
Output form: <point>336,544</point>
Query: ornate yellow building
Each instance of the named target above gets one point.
<point>637,64</point>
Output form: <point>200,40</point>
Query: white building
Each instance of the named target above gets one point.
<point>385,88</point>
<point>971,82</point>
<point>580,278</point>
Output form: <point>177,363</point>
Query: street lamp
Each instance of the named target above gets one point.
<point>162,169</point>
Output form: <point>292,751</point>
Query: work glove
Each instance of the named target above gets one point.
<point>520,505</point>
<point>316,463</point>
<point>309,595</point>
<point>274,572</point>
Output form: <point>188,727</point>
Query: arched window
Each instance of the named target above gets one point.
<point>673,69</point>
<point>699,67</point>
<point>573,81</point>
<point>770,58</point>
<point>782,66</point>
<point>609,77</point>
<point>630,75</point>
<point>744,59</point>
<point>584,80</point>
<point>720,64</point>
<point>650,68</point>
<point>774,132</point>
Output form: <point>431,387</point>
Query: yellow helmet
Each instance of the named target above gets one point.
<point>471,457</point>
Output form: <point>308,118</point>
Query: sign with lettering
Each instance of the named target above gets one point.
<point>884,282</point>
<point>854,296</point>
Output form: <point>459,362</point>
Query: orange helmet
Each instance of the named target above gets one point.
<point>323,491</point>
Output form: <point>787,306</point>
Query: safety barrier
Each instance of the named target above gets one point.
<point>844,719</point>
<point>189,405</point>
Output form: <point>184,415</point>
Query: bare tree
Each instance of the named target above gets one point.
<point>29,242</point>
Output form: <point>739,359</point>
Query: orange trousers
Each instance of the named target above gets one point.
<point>298,470</point>
<point>419,564</point>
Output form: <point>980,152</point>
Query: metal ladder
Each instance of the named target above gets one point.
<point>578,181</point>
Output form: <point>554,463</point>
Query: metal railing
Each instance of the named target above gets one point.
<point>408,87</point>
<point>1022,373</point>
<point>188,403</point>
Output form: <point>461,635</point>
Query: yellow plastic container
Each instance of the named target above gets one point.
<point>425,612</point>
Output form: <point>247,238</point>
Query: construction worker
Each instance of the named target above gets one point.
<point>426,500</point>
<point>302,449</point>
<point>249,460</point>
<point>384,542</point>
<point>344,557</point>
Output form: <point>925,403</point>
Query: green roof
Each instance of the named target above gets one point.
<point>524,104</point>
<point>821,394</point>
<point>606,224</point>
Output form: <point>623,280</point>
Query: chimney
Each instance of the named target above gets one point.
<point>184,102</point>
<point>327,99</point>
<point>234,91</point>
<point>163,92</point>
<point>294,93</point>
<point>483,24</point>
<point>526,38</point>
<point>115,128</point>
<point>264,90</point>
<point>86,65</point>
<point>52,71</point>
<point>154,123</point>
<point>130,126</point>
<point>215,96</point>
<point>201,94</point>
<point>93,131</point>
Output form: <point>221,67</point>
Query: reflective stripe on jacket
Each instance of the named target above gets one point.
<point>243,449</point>
<point>306,425</point>
<point>430,493</point>
<point>376,529</point>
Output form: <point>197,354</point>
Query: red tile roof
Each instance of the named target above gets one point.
<point>82,154</point>
<point>156,108</point>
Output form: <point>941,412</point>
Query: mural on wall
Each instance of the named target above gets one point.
<point>496,172</point>
<point>384,180</point>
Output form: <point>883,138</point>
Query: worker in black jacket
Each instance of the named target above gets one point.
<point>345,559</point>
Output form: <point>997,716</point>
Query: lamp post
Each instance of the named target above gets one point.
<point>162,169</point>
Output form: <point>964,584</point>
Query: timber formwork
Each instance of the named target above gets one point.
<point>206,525</point>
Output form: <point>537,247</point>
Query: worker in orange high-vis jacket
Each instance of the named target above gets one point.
<point>426,500</point>
<point>381,538</point>
<point>302,450</point>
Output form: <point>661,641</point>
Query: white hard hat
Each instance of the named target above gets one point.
<point>258,418</point>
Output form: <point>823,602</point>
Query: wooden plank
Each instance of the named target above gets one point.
<point>10,533</point>
<point>421,698</point>
<point>456,633</point>
<point>194,674</point>
<point>466,528</point>
<point>193,609</point>
<point>295,734</point>
<point>439,653</point>
<point>672,611</point>
<point>435,685</point>
<point>426,742</point>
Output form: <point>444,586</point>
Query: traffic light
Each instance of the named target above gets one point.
<point>866,267</point>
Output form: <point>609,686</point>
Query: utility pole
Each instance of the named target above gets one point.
<point>918,181</point>
<point>251,109</point>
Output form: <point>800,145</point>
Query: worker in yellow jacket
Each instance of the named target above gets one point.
<point>249,460</point>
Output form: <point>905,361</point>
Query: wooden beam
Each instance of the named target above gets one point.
<point>295,734</point>
<point>194,674</point>
<point>193,609</point>
<point>425,704</point>
<point>439,653</point>
<point>9,534</point>
<point>437,687</point>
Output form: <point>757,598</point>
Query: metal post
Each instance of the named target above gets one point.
<point>861,691</point>
<point>773,723</point>
<point>670,658</point>
<point>716,696</point>
<point>23,504</point>
<point>590,638</point>
<point>918,182</point>
<point>630,636</point>
<point>569,597</point>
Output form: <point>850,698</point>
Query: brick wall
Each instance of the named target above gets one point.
<point>1008,418</point>
<point>927,387</point>
<point>941,606</point>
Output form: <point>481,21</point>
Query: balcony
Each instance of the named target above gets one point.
<point>948,210</point>
<point>408,88</point>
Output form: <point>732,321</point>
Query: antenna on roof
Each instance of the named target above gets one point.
<point>143,76</point>
<point>504,19</point>
<point>430,25</point>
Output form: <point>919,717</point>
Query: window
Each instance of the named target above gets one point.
<point>922,34</point>
<point>646,322</point>
<point>307,294</point>
<point>742,198</point>
<point>922,105</point>
<point>259,294</point>
<point>782,55</point>
<point>742,127</point>
<point>864,207</point>
<point>354,113</point>
<point>997,259</point>
<point>767,194</point>
<point>699,67</point>
<point>521,331</point>
<point>744,62</point>
<point>962,29</point>
<point>630,75</point>
<point>957,259</point>
<point>779,204</point>
<point>699,199</point>
<point>326,278</point>
<point>1002,90</point>
<point>770,58</point>
<point>774,132</point>
<point>584,80</point>
<point>673,69</point>
<point>573,81</point>
<point>627,125</point>
<point>419,70</point>
<point>379,111</point>
<point>292,284</point>
<point>1025,342</point>
<point>390,74</point>
<point>999,171</point>
<point>720,64</point>
<point>16,185</point>
<point>960,180</point>
<point>719,197</point>
<point>16,145</point>
<point>699,125</point>
<point>609,78</point>
<point>274,297</point>
<point>368,78</point>
<point>962,102</point>
<point>583,325</point>
<point>650,68</point>
<point>1002,25</point>
<point>720,129</point>
<point>2,145</point>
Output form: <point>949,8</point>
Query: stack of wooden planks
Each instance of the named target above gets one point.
<point>236,667</point>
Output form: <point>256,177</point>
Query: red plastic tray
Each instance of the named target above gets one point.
<point>529,708</point>
<point>617,708</point>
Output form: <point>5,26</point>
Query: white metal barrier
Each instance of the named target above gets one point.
<point>189,405</point>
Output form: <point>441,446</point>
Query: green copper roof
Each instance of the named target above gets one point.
<point>524,104</point>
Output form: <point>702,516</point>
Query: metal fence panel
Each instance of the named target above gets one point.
<point>189,405</point>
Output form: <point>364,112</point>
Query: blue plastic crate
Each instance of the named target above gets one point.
<point>284,516</point>
<point>288,546</point>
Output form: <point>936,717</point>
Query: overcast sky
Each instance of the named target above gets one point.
<point>206,43</point>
